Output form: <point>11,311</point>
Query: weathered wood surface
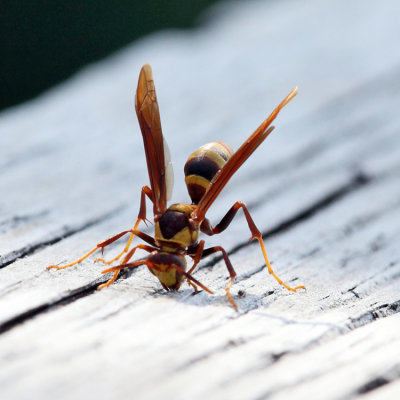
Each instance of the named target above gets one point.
<point>324,189</point>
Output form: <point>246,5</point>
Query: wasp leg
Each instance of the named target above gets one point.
<point>196,253</point>
<point>116,271</point>
<point>152,266</point>
<point>255,234</point>
<point>146,191</point>
<point>104,244</point>
<point>124,261</point>
<point>149,249</point>
<point>190,278</point>
<point>190,283</point>
<point>101,246</point>
<point>231,271</point>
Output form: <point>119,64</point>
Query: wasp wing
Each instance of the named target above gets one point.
<point>169,171</point>
<point>237,159</point>
<point>157,153</point>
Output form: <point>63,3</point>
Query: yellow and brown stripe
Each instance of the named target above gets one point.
<point>203,165</point>
<point>173,230</point>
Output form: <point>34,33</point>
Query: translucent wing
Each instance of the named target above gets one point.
<point>157,153</point>
<point>169,171</point>
<point>238,158</point>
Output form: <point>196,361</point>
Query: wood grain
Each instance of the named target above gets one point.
<point>323,189</point>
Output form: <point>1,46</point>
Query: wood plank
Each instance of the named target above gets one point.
<point>323,190</point>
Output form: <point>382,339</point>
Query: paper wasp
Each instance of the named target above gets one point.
<point>177,227</point>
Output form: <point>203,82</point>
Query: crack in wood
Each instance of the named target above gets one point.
<point>271,358</point>
<point>28,250</point>
<point>382,311</point>
<point>390,265</point>
<point>69,298</point>
<point>379,381</point>
<point>378,85</point>
<point>373,384</point>
<point>335,331</point>
<point>354,292</point>
<point>232,343</point>
<point>15,221</point>
<point>63,300</point>
<point>357,181</point>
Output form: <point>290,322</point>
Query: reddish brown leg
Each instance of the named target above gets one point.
<point>141,216</point>
<point>125,260</point>
<point>152,266</point>
<point>116,271</point>
<point>255,233</point>
<point>101,246</point>
<point>149,249</point>
<point>146,191</point>
<point>231,271</point>
<point>104,244</point>
<point>196,256</point>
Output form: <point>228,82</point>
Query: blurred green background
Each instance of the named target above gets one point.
<point>43,42</point>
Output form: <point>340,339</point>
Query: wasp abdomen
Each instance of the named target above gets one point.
<point>203,165</point>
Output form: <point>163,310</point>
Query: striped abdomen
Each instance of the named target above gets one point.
<point>202,166</point>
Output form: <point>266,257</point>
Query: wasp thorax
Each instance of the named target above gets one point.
<point>171,223</point>
<point>174,229</point>
<point>203,165</point>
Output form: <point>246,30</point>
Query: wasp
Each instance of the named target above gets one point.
<point>177,227</point>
